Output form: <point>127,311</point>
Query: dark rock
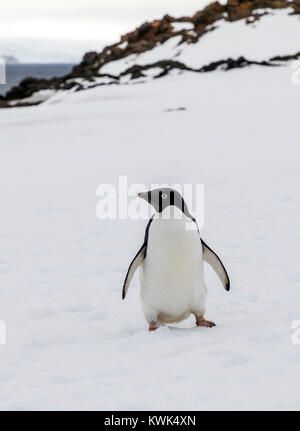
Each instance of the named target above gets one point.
<point>181,108</point>
<point>209,15</point>
<point>286,57</point>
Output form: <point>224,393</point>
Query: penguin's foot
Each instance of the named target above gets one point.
<point>153,326</point>
<point>205,323</point>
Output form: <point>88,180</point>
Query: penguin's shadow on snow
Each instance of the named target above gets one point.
<point>181,330</point>
<point>163,329</point>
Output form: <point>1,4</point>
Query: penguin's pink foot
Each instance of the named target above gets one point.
<point>153,326</point>
<point>205,323</point>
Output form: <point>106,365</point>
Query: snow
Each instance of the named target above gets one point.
<point>179,26</point>
<point>123,45</point>
<point>72,343</point>
<point>37,97</point>
<point>274,34</point>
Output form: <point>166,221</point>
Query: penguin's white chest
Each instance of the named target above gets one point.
<point>171,276</point>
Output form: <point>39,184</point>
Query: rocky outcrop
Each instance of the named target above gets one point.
<point>91,71</point>
<point>150,34</point>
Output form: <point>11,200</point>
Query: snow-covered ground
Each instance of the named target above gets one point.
<point>277,33</point>
<point>72,343</point>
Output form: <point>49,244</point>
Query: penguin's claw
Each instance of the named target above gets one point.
<point>153,326</point>
<point>205,323</point>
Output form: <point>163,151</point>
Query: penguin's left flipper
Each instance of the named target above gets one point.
<point>210,257</point>
<point>137,261</point>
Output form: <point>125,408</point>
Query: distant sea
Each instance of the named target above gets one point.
<point>15,73</point>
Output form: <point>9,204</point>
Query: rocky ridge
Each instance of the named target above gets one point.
<point>93,70</point>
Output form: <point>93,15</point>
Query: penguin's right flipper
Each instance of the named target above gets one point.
<point>137,261</point>
<point>214,261</point>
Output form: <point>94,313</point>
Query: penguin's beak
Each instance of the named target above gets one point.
<point>142,195</point>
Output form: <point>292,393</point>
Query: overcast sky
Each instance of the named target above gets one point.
<point>35,29</point>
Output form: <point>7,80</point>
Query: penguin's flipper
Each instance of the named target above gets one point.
<point>137,261</point>
<point>214,261</point>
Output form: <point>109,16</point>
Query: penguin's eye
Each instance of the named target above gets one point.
<point>164,196</point>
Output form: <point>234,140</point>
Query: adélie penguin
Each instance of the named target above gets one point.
<point>171,263</point>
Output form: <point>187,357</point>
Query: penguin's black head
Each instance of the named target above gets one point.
<point>165,197</point>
